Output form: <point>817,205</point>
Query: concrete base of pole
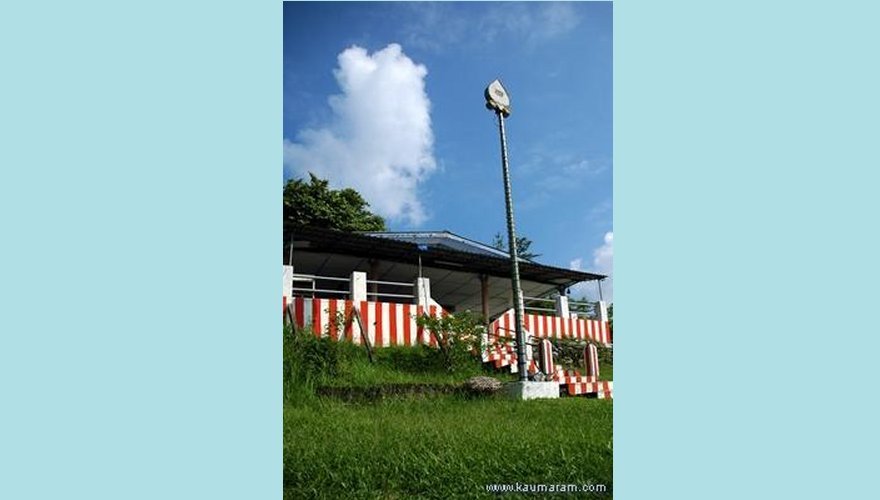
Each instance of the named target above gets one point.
<point>532,390</point>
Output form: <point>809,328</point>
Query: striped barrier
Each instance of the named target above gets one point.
<point>501,356</point>
<point>387,324</point>
<point>565,377</point>
<point>553,327</point>
<point>602,389</point>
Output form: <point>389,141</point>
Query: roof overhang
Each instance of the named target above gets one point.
<point>455,275</point>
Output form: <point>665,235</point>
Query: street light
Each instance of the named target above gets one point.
<point>498,100</point>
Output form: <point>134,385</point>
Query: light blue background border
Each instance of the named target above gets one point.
<point>140,170</point>
<point>141,165</point>
<point>745,233</point>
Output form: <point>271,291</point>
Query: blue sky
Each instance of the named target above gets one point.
<point>387,98</point>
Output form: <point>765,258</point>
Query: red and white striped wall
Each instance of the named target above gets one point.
<point>553,327</point>
<point>387,324</point>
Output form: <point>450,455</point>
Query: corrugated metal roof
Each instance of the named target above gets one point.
<point>479,259</point>
<point>443,238</point>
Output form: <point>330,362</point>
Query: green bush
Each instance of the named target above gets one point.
<point>458,336</point>
<point>571,353</point>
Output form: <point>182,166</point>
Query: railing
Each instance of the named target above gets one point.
<point>313,279</point>
<point>390,283</point>
<point>318,285</point>
<point>583,309</point>
<point>538,299</point>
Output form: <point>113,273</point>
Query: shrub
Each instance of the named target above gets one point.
<point>571,353</point>
<point>458,336</point>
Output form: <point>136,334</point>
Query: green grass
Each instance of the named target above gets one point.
<point>401,365</point>
<point>435,447</point>
<point>445,447</point>
<point>411,365</point>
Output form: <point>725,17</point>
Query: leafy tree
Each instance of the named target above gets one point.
<point>522,246</point>
<point>313,203</point>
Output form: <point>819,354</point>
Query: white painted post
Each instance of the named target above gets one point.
<point>562,307</point>
<point>423,292</point>
<point>287,281</point>
<point>358,286</point>
<point>601,311</point>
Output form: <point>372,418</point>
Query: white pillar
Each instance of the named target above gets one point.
<point>287,281</point>
<point>358,286</point>
<point>601,311</point>
<point>423,292</point>
<point>562,306</point>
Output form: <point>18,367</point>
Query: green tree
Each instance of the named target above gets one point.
<point>522,246</point>
<point>313,203</point>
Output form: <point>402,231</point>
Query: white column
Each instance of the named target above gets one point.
<point>562,306</point>
<point>287,281</point>
<point>422,291</point>
<point>601,311</point>
<point>358,286</point>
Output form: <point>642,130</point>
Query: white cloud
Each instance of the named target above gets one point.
<point>556,18</point>
<point>483,23</point>
<point>379,140</point>
<point>534,23</point>
<point>603,263</point>
<point>603,257</point>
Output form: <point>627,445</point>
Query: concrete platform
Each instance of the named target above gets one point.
<point>532,390</point>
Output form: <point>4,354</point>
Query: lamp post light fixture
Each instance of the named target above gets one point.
<point>498,100</point>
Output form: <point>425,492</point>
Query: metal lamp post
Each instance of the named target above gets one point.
<point>498,100</point>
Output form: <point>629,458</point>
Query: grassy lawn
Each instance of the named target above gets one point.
<point>447,446</point>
